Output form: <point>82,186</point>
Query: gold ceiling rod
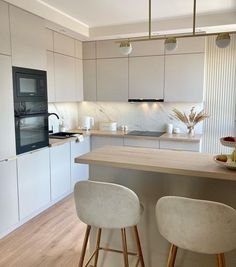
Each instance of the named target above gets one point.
<point>163,37</point>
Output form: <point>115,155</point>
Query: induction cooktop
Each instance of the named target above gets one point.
<point>145,133</point>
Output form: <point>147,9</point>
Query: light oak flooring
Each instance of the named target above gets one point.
<point>54,238</point>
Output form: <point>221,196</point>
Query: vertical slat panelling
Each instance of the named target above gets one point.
<point>220,95</point>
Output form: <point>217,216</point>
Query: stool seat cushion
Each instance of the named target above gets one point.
<point>106,205</point>
<point>197,225</point>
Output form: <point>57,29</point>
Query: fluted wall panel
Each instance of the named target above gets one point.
<point>220,95</point>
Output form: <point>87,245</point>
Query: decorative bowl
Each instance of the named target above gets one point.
<point>227,143</point>
<point>229,164</point>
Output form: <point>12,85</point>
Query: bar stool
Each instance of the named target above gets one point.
<point>196,225</point>
<point>110,206</point>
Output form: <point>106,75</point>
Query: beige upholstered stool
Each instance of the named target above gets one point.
<point>111,206</point>
<point>196,225</point>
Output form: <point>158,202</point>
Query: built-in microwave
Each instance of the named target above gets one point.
<point>29,84</point>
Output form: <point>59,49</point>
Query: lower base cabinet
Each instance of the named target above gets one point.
<point>8,196</point>
<point>33,182</point>
<point>100,141</point>
<point>79,172</point>
<point>60,171</point>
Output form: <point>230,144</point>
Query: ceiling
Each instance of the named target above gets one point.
<point>96,13</point>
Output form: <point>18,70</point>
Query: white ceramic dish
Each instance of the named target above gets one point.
<point>227,143</point>
<point>229,164</point>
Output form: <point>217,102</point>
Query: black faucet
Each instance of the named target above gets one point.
<point>49,114</point>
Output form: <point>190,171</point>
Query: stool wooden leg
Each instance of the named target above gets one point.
<point>83,252</point>
<point>125,251</point>
<point>99,232</point>
<point>221,260</point>
<point>172,256</point>
<point>138,243</point>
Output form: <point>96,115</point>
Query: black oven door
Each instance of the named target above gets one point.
<point>31,132</point>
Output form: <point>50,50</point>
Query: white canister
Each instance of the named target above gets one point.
<point>169,128</point>
<point>176,130</point>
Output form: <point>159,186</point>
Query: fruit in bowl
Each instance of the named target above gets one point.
<point>229,139</point>
<point>222,158</point>
<point>233,156</point>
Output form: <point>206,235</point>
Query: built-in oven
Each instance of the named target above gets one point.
<point>31,109</point>
<point>31,132</point>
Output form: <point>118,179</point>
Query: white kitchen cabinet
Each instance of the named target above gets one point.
<point>184,78</point>
<point>28,36</point>
<point>8,196</point>
<point>180,145</point>
<point>189,45</point>
<point>148,48</point>
<point>49,39</point>
<point>5,43</point>
<point>51,77</point>
<point>79,172</point>
<point>146,77</point>
<point>89,50</point>
<point>7,139</point>
<point>33,182</point>
<point>78,49</point>
<point>65,78</point>
<point>112,79</point>
<point>108,49</point>
<point>79,88</point>
<point>100,141</point>
<point>141,142</point>
<point>60,171</point>
<point>64,44</point>
<point>90,80</point>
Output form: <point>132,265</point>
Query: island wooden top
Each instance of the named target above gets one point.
<point>157,160</point>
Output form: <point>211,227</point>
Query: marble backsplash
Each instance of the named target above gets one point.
<point>137,116</point>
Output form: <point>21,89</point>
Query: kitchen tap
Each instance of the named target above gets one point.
<point>49,114</point>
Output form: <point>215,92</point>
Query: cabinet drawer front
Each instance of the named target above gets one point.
<point>100,141</point>
<point>178,145</point>
<point>141,142</point>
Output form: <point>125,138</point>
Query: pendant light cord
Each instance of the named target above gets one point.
<point>194,16</point>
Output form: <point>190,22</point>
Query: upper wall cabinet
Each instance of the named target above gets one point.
<point>90,79</point>
<point>184,78</point>
<point>49,40</point>
<point>189,45</point>
<point>7,141</point>
<point>112,79</point>
<point>146,77</point>
<point>89,50</point>
<point>51,77</point>
<point>148,48</point>
<point>78,49</point>
<point>108,49</point>
<point>79,96</point>
<point>5,43</point>
<point>64,44</point>
<point>65,78</point>
<point>28,39</point>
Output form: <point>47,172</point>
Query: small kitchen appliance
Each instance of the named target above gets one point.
<point>87,123</point>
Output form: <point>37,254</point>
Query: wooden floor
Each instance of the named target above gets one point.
<point>53,238</point>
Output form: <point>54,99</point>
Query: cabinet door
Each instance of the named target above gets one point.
<point>79,94</point>
<point>51,77</point>
<point>148,48</point>
<point>89,50</point>
<point>108,49</point>
<point>90,80</point>
<point>112,79</point>
<point>141,142</point>
<point>5,44</point>
<point>79,172</point>
<point>28,35</point>
<point>49,40</point>
<point>64,44</point>
<point>8,196</point>
<point>64,78</point>
<point>78,49</point>
<point>7,140</point>
<point>60,170</point>
<point>100,141</point>
<point>33,182</point>
<point>146,77</point>
<point>184,77</point>
<point>180,145</point>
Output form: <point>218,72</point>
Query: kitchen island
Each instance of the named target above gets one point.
<point>154,173</point>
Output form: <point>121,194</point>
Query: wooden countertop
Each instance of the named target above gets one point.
<point>157,160</point>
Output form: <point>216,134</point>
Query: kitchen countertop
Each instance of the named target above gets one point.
<point>162,161</point>
<point>167,137</point>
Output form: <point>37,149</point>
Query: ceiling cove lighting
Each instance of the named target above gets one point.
<point>222,39</point>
